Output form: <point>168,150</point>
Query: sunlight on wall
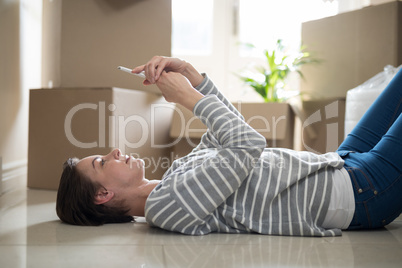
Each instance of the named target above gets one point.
<point>31,43</point>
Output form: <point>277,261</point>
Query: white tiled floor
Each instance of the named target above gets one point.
<point>32,236</point>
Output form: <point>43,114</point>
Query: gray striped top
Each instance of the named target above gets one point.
<point>231,183</point>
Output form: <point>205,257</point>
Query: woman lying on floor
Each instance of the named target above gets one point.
<point>232,183</point>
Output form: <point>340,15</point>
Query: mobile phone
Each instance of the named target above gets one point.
<point>128,70</point>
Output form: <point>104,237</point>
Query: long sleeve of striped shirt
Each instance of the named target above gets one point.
<point>230,183</point>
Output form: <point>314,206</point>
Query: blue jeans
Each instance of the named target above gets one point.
<point>373,159</point>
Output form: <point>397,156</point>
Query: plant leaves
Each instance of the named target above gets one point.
<point>280,65</point>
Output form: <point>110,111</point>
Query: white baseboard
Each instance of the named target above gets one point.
<point>13,175</point>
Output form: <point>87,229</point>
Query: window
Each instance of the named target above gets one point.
<point>207,33</point>
<point>192,27</point>
<point>262,22</point>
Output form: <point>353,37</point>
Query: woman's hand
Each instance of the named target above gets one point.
<point>176,88</point>
<point>154,68</point>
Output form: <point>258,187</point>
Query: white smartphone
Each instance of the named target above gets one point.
<point>128,70</point>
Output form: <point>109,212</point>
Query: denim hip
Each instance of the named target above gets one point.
<point>377,190</point>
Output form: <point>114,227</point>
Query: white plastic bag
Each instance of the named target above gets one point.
<point>359,99</point>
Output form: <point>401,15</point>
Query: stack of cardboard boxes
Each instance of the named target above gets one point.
<point>354,46</point>
<point>88,106</point>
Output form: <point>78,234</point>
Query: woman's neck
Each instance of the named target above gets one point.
<point>139,196</point>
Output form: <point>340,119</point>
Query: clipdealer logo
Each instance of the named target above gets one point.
<point>117,125</point>
<point>331,112</point>
<point>120,124</point>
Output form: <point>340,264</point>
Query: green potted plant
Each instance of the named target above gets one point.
<point>268,80</point>
<point>274,118</point>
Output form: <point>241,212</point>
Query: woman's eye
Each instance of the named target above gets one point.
<point>102,162</point>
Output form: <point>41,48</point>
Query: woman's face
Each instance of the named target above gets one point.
<point>114,171</point>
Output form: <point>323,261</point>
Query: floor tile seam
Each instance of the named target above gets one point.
<point>164,257</point>
<point>12,206</point>
<point>366,244</point>
<point>74,245</point>
<point>215,244</point>
<point>374,241</point>
<point>210,244</point>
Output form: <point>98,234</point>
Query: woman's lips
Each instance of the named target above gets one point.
<point>131,160</point>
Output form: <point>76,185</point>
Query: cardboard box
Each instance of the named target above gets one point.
<point>354,45</point>
<point>319,125</point>
<point>68,122</point>
<point>85,41</point>
<point>275,121</point>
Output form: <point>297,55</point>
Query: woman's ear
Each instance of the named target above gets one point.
<point>103,196</point>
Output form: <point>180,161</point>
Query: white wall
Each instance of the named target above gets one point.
<point>20,26</point>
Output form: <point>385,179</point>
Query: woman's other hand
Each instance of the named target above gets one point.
<point>154,68</point>
<point>177,88</point>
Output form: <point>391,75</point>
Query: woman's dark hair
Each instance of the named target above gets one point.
<point>76,200</point>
